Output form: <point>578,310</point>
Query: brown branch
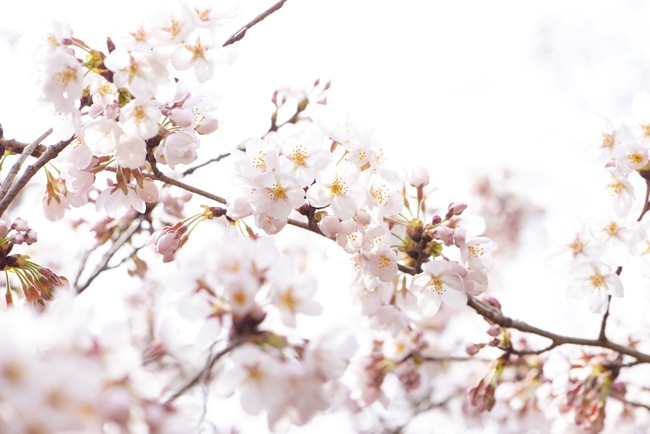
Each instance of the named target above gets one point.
<point>124,237</point>
<point>239,34</point>
<point>497,317</point>
<point>51,153</point>
<point>13,172</point>
<point>194,379</point>
<point>16,147</point>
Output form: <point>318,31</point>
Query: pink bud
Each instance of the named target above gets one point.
<point>20,225</point>
<point>207,125</point>
<point>182,118</point>
<point>494,330</point>
<point>30,237</point>
<point>457,208</point>
<point>472,349</point>
<point>362,217</point>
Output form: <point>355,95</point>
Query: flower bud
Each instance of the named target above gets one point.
<point>472,349</point>
<point>494,330</point>
<point>207,125</point>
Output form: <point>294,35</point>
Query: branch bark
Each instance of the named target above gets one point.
<point>239,34</point>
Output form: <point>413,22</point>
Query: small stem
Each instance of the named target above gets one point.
<point>239,34</point>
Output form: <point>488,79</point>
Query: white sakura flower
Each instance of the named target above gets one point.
<point>269,224</point>
<point>62,81</point>
<point>139,71</point>
<point>338,186</point>
<point>196,52</point>
<point>207,13</point>
<point>290,295</point>
<point>617,234</point>
<point>443,284</point>
<point>386,201</point>
<point>101,136</point>
<point>475,281</point>
<point>147,191</point>
<point>131,152</point>
<point>621,191</point>
<point>238,208</point>
<point>417,176</point>
<point>398,347</point>
<point>303,154</point>
<point>477,253</point>
<point>172,26</point>
<point>53,40</point>
<point>630,156</point>
<point>276,194</point>
<point>383,264</point>
<point>240,294</point>
<point>177,148</point>
<point>102,91</point>
<point>596,281</point>
<point>256,375</point>
<point>114,200</point>
<point>259,158</point>
<point>140,118</point>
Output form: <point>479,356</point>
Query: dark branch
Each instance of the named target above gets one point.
<point>239,34</point>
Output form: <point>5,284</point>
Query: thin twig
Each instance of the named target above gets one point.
<point>29,172</point>
<point>196,378</point>
<point>13,172</point>
<point>239,34</point>
<point>210,161</point>
<point>497,317</point>
<point>103,263</point>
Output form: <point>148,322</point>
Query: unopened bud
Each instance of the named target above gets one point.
<point>456,208</point>
<point>494,330</point>
<point>472,349</point>
<point>436,220</point>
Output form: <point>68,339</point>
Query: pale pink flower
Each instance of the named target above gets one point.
<point>139,71</point>
<point>178,148</point>
<point>147,191</point>
<point>62,81</point>
<point>101,136</point>
<point>417,176</point>
<point>621,191</point>
<point>276,195</point>
<point>443,284</point>
<point>238,208</point>
<point>269,224</point>
<point>131,152</point>
<point>257,377</point>
<point>114,200</point>
<point>630,156</point>
<point>383,264</point>
<point>596,281</point>
<point>290,295</point>
<point>196,52</point>
<point>338,186</point>
<point>397,348</point>
<point>140,118</point>
<point>260,157</point>
<point>477,253</point>
<point>303,153</point>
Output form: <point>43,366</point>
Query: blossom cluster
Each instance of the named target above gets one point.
<point>598,250</point>
<point>131,108</point>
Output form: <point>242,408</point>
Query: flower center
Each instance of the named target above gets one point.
<point>277,192</point>
<point>436,284</point>
<point>338,187</point>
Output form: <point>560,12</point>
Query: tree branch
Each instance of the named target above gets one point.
<point>27,151</point>
<point>193,380</point>
<point>239,34</point>
<point>124,237</point>
<point>51,153</point>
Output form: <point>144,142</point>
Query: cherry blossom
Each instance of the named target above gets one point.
<point>596,281</point>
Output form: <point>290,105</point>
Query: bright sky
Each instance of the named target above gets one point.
<point>465,86</point>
